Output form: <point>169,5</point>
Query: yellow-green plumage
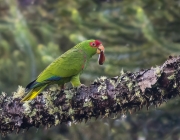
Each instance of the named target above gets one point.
<point>65,68</point>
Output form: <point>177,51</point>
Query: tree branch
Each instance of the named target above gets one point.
<point>127,92</point>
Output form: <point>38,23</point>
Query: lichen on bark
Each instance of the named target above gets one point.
<point>105,96</point>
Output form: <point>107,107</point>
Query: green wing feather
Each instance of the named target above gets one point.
<point>66,66</point>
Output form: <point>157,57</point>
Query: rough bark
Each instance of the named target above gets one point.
<point>127,92</point>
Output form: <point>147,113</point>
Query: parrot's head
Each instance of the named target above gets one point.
<point>97,45</point>
<point>92,47</point>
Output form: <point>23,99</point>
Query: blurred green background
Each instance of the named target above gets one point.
<point>136,35</point>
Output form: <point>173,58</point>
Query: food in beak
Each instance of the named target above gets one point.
<point>101,58</point>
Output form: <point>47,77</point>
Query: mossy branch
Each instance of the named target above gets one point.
<point>127,92</point>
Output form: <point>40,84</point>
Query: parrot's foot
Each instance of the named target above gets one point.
<point>81,86</point>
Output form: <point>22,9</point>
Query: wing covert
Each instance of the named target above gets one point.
<point>67,65</point>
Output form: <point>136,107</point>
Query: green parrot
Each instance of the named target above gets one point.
<point>66,68</point>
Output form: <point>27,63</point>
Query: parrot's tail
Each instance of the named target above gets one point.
<point>33,93</point>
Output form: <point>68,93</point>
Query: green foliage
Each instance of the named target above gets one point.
<point>136,35</point>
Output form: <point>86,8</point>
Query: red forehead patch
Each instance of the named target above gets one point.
<point>97,42</point>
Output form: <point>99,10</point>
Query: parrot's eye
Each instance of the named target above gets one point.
<point>93,44</point>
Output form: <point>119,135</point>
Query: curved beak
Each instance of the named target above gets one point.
<point>100,51</point>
